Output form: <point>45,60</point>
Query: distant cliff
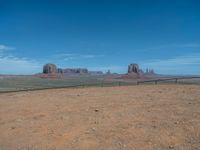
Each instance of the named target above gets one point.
<point>52,69</point>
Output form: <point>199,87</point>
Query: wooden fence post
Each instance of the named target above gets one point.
<point>176,81</point>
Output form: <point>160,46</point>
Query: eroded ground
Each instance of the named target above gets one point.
<point>156,117</point>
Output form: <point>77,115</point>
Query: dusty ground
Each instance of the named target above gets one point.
<point>152,117</point>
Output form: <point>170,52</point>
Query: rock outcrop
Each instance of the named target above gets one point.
<point>59,70</point>
<point>76,70</point>
<point>133,68</point>
<point>134,72</point>
<point>49,69</point>
<point>95,72</point>
<point>52,69</point>
<point>149,72</point>
<point>108,72</point>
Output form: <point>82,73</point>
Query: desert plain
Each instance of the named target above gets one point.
<point>144,117</point>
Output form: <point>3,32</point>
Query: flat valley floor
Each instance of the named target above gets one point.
<point>144,117</point>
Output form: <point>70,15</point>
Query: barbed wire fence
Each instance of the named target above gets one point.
<point>180,80</point>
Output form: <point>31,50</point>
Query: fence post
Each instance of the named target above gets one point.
<point>176,80</point>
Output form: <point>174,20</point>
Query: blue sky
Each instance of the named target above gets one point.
<point>100,35</point>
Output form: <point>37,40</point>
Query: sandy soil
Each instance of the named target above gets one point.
<point>145,117</point>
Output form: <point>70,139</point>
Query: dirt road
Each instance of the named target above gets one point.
<point>145,117</point>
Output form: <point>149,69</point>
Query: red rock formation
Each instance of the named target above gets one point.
<point>49,69</point>
<point>133,68</point>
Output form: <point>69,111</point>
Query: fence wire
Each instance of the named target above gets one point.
<point>33,85</point>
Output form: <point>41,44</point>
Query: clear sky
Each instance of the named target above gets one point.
<point>100,35</point>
